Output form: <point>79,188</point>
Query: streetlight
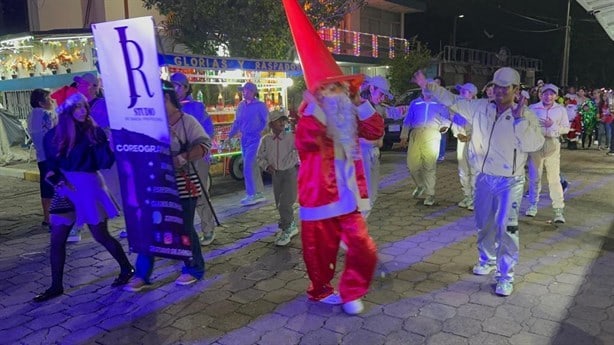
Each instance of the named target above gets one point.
<point>454,28</point>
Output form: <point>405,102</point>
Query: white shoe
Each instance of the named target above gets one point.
<point>74,235</point>
<point>429,201</point>
<point>464,203</point>
<point>286,236</point>
<point>353,307</point>
<point>207,238</point>
<point>558,216</point>
<point>417,192</point>
<point>531,211</point>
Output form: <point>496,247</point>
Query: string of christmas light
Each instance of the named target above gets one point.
<point>374,44</point>
<point>354,39</point>
<point>356,43</point>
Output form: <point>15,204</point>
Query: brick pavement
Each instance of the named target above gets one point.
<point>253,292</point>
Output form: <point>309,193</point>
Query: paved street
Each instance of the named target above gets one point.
<point>253,291</point>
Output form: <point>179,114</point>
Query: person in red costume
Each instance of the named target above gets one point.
<point>332,187</point>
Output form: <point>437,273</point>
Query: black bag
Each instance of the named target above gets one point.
<point>61,204</point>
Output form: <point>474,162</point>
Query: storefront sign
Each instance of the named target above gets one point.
<point>128,62</point>
<point>222,63</point>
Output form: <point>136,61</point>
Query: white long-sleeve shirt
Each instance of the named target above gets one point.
<point>499,145</point>
<point>557,113</point>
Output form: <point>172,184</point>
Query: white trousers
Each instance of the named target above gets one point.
<point>370,161</point>
<point>465,170</point>
<point>553,173</point>
<point>422,156</point>
<point>497,202</point>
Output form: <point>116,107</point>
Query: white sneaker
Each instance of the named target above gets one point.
<point>207,238</point>
<point>286,236</point>
<point>429,201</point>
<point>482,270</point>
<point>353,307</point>
<point>531,211</point>
<point>504,288</point>
<point>464,203</point>
<point>417,192</point>
<point>470,205</point>
<point>558,216</point>
<point>259,197</point>
<point>74,235</point>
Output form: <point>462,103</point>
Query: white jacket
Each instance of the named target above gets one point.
<point>557,113</point>
<point>498,146</point>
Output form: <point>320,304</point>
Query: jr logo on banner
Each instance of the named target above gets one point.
<point>128,59</point>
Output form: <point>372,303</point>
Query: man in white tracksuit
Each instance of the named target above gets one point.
<point>462,131</point>
<point>502,135</point>
<point>554,122</point>
<point>427,119</point>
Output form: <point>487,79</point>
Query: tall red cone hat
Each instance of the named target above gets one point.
<point>317,62</point>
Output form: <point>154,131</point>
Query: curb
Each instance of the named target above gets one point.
<point>28,175</point>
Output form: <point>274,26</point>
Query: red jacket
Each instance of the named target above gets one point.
<point>330,184</point>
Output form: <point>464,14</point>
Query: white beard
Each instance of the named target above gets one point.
<point>341,124</point>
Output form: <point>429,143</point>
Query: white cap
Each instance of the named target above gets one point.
<point>550,87</point>
<point>469,87</point>
<point>381,83</point>
<point>506,76</point>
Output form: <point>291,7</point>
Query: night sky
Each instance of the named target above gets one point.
<point>492,24</point>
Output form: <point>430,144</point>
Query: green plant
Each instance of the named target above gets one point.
<point>404,65</point>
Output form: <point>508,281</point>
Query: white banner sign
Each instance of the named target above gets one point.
<point>128,60</point>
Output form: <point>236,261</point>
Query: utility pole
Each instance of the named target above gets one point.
<point>566,47</point>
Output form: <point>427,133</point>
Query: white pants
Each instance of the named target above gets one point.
<point>465,170</point>
<point>553,174</point>
<point>370,161</point>
<point>251,171</point>
<point>422,156</point>
<point>203,211</point>
<point>497,201</point>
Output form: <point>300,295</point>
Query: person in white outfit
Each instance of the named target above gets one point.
<point>427,119</point>
<point>503,133</point>
<point>462,131</point>
<point>554,122</point>
<point>375,90</point>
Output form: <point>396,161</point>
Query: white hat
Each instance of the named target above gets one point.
<point>276,114</point>
<point>381,83</point>
<point>540,82</point>
<point>550,87</point>
<point>469,87</point>
<point>506,76</point>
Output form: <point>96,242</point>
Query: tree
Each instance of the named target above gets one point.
<point>403,66</point>
<point>248,28</point>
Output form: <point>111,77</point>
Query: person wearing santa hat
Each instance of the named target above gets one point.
<point>331,182</point>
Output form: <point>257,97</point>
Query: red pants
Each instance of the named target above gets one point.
<point>320,246</point>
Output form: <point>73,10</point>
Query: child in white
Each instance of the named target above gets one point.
<point>277,155</point>
<point>554,123</point>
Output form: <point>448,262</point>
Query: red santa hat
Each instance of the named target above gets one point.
<point>319,67</point>
<point>61,94</point>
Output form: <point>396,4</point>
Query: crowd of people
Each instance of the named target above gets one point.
<point>330,164</point>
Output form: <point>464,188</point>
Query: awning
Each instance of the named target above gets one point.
<point>603,10</point>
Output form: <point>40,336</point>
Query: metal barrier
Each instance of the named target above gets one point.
<point>489,59</point>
